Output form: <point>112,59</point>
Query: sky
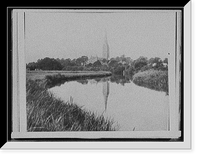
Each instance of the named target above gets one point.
<point>74,34</point>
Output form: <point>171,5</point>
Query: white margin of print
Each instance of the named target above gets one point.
<point>19,111</point>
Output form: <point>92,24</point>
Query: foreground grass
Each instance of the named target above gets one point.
<point>153,79</point>
<point>47,113</point>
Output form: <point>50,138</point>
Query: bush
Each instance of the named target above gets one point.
<point>118,70</point>
<point>153,79</point>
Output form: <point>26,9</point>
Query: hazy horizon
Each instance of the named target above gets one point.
<point>74,34</point>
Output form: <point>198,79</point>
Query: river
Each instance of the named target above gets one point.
<point>131,107</point>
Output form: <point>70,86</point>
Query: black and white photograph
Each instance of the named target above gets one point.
<point>98,74</point>
<point>99,70</point>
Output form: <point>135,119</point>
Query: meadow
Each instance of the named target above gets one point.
<point>40,75</point>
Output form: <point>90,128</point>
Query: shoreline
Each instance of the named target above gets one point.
<point>45,112</point>
<point>34,75</point>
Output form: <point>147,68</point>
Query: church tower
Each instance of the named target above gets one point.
<point>105,47</point>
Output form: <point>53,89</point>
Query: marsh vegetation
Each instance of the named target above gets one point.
<point>153,79</point>
<point>47,113</point>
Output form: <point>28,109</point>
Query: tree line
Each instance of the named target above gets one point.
<point>119,65</point>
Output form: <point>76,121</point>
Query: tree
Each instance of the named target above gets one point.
<point>78,62</point>
<point>104,60</point>
<point>165,64</point>
<point>140,62</point>
<point>81,61</point>
<point>113,63</point>
<point>89,65</point>
<point>119,70</point>
<point>123,58</point>
<point>165,61</point>
<point>84,60</point>
<point>97,63</point>
<point>156,63</point>
<point>117,58</point>
<point>130,70</point>
<point>128,60</point>
<point>49,64</point>
<point>31,66</point>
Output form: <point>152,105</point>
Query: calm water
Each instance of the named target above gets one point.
<point>130,106</point>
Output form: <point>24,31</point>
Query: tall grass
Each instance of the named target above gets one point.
<point>153,79</point>
<point>47,113</point>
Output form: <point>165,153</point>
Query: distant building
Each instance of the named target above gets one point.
<point>105,53</point>
<point>154,64</point>
<point>165,64</point>
<point>92,59</point>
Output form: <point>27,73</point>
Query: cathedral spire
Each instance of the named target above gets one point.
<point>105,46</point>
<point>105,35</point>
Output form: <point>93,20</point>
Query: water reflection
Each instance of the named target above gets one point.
<point>106,92</point>
<point>82,81</point>
<point>122,80</point>
<point>118,98</point>
<point>118,79</point>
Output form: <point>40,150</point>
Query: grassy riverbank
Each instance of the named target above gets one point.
<point>40,75</point>
<point>153,79</point>
<point>47,113</point>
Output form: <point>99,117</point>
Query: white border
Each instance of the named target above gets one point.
<point>15,87</point>
<point>22,71</point>
<point>95,135</point>
<point>187,74</point>
<point>124,145</point>
<point>95,145</point>
<point>131,134</point>
<point>93,10</point>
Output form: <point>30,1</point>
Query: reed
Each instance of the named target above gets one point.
<point>153,79</point>
<point>47,113</point>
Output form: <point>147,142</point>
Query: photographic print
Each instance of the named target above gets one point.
<point>97,74</point>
